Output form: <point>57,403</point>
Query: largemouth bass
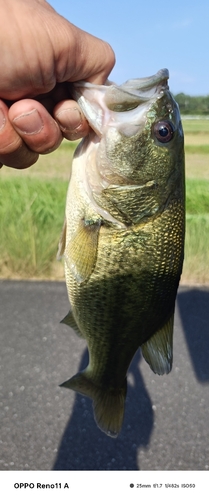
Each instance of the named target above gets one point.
<point>123,237</point>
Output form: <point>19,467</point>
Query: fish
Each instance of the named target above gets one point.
<point>123,236</point>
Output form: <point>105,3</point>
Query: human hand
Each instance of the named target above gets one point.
<point>40,52</point>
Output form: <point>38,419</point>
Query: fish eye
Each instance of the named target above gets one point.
<point>163,131</point>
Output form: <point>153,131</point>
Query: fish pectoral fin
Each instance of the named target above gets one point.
<point>158,350</point>
<point>62,241</point>
<point>70,321</point>
<point>81,251</point>
<point>108,403</point>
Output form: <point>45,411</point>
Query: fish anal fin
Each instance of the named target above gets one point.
<point>81,250</point>
<point>70,321</point>
<point>158,350</point>
<point>62,241</point>
<point>108,403</point>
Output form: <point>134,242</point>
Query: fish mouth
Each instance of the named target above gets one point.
<point>113,103</point>
<point>147,85</point>
<point>138,90</point>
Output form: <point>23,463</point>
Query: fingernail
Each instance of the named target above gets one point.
<point>2,119</point>
<point>29,123</point>
<point>69,119</point>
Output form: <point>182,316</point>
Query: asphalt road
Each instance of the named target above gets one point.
<point>45,427</point>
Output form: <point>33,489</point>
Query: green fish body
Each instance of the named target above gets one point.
<point>123,237</point>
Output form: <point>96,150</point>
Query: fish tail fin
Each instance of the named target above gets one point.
<point>108,403</point>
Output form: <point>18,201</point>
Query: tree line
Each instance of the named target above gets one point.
<point>193,105</point>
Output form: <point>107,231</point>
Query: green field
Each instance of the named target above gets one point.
<point>200,126</point>
<point>32,210</point>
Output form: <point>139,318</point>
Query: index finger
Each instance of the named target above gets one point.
<point>71,120</point>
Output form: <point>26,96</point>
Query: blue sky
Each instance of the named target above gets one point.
<point>149,35</point>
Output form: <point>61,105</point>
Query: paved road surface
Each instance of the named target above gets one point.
<point>45,427</point>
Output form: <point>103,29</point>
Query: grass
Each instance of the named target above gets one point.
<point>31,218</point>
<point>200,126</point>
<point>32,211</point>
<point>201,149</point>
<point>53,166</point>
<point>197,166</point>
<point>196,263</point>
<point>197,197</point>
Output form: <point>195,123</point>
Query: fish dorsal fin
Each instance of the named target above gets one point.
<point>62,241</point>
<point>158,350</point>
<point>81,251</point>
<point>70,321</point>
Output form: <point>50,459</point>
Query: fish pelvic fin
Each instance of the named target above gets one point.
<point>158,350</point>
<point>81,251</point>
<point>108,403</point>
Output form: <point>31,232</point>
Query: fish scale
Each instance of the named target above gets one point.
<point>123,238</point>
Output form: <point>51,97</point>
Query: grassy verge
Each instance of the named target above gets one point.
<point>31,218</point>
<point>201,149</point>
<point>196,263</point>
<point>200,126</point>
<point>56,165</point>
